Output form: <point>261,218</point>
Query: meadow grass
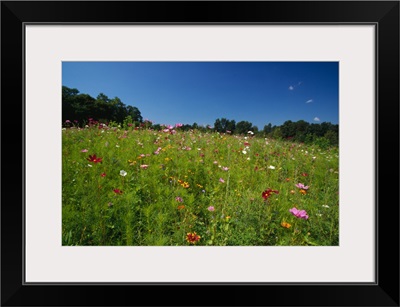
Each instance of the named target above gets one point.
<point>166,188</point>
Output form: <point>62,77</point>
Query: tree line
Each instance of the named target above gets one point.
<point>80,107</point>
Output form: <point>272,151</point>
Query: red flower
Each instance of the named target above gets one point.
<point>103,175</point>
<point>304,174</point>
<point>192,238</point>
<point>94,159</point>
<point>268,192</point>
<point>117,191</point>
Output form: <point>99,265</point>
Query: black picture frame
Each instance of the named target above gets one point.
<point>383,14</point>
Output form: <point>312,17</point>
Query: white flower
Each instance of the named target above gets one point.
<point>248,158</point>
<point>250,132</point>
<point>271,167</point>
<point>244,152</point>
<point>89,165</point>
<point>117,146</point>
<point>122,173</point>
<point>325,206</point>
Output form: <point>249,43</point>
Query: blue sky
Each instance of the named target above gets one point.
<point>201,92</point>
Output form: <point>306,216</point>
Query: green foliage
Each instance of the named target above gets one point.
<point>176,191</point>
<point>81,107</point>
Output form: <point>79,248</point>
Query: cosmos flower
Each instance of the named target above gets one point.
<point>192,237</point>
<point>94,159</point>
<point>179,199</point>
<point>302,214</point>
<point>286,225</point>
<point>122,173</point>
<point>304,192</point>
<point>144,166</point>
<point>117,191</point>
<point>302,186</point>
<point>221,180</point>
<point>211,208</point>
<point>268,192</point>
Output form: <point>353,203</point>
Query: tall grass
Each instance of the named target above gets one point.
<point>156,188</point>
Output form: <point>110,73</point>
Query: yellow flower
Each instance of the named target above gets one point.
<point>185,184</point>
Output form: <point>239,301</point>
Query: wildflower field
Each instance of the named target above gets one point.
<point>141,187</point>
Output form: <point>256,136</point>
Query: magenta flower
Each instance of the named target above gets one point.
<point>302,186</point>
<point>117,191</point>
<point>302,214</point>
<point>211,208</point>
<point>179,199</point>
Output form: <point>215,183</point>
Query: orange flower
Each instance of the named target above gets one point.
<point>304,192</point>
<point>192,237</point>
<point>286,225</point>
<point>181,207</point>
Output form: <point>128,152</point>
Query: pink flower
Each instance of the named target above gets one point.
<point>178,125</point>
<point>221,180</point>
<point>179,199</point>
<point>224,168</point>
<point>302,214</point>
<point>211,208</point>
<point>144,166</point>
<point>84,150</point>
<point>302,186</point>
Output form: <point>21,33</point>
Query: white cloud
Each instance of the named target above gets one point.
<point>308,101</point>
<point>316,119</point>
<point>291,87</point>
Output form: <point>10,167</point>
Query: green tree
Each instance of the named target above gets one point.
<point>243,127</point>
